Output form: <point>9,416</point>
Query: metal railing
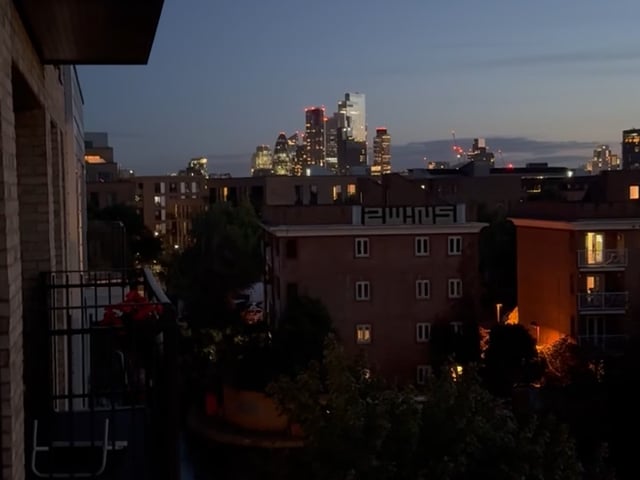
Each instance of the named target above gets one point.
<point>605,343</point>
<point>108,389</point>
<point>609,258</point>
<point>600,301</point>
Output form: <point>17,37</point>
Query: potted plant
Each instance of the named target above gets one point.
<point>134,326</point>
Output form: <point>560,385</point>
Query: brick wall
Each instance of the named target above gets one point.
<point>26,214</point>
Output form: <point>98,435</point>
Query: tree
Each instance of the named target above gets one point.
<point>301,333</point>
<point>498,262</point>
<point>224,258</point>
<point>511,358</point>
<point>143,245</point>
<point>359,427</point>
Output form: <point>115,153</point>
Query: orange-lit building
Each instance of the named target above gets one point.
<point>578,265</point>
<point>386,274</point>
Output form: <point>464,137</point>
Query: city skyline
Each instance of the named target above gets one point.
<point>547,78</point>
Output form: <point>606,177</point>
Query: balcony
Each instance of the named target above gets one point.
<point>103,394</point>
<point>91,32</point>
<point>603,302</point>
<point>610,259</point>
<point>604,343</point>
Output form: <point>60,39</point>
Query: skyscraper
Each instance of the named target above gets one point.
<point>281,157</point>
<point>631,149</point>
<point>351,132</point>
<point>314,136</point>
<point>381,152</point>
<point>354,108</point>
<point>602,159</point>
<point>261,161</point>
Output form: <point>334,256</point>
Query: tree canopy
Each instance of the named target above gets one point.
<point>225,257</point>
<point>358,427</point>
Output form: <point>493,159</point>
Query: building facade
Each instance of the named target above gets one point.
<point>41,203</point>
<point>381,152</point>
<point>386,275</point>
<point>631,149</point>
<point>314,136</point>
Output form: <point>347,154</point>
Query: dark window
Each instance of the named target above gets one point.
<point>173,187</point>
<point>313,195</point>
<point>140,186</point>
<point>292,248</point>
<point>213,195</point>
<point>256,197</point>
<point>232,196</point>
<point>158,215</point>
<point>298,190</point>
<point>156,188</point>
<point>292,291</point>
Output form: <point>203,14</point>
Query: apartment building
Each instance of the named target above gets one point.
<point>577,270</point>
<point>41,199</point>
<point>167,204</point>
<point>386,274</point>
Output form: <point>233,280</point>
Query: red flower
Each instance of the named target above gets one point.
<point>135,305</point>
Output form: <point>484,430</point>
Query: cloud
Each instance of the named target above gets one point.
<point>563,58</point>
<point>516,150</point>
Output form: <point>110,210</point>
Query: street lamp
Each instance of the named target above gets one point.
<point>498,307</point>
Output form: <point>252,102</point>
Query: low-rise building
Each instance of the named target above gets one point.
<point>386,274</point>
<point>577,270</point>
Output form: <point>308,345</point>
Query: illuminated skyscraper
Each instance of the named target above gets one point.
<point>631,149</point>
<point>261,161</point>
<point>381,152</point>
<point>354,108</point>
<point>282,163</point>
<point>314,136</point>
<point>602,159</point>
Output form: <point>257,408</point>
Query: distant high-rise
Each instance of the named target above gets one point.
<point>197,166</point>
<point>331,152</point>
<point>480,152</point>
<point>631,149</point>
<point>354,108</point>
<point>602,159</point>
<point>261,161</point>
<point>314,136</point>
<point>381,152</point>
<point>282,163</point>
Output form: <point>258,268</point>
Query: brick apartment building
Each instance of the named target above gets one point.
<point>578,264</point>
<point>386,274</point>
<point>42,174</point>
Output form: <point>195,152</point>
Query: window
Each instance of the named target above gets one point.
<point>423,332</point>
<point>362,247</point>
<point>422,246</point>
<point>634,192</point>
<point>363,291</point>
<point>422,374</point>
<point>456,327</point>
<point>313,194</point>
<point>455,246</point>
<point>363,334</point>
<point>291,248</point>
<point>423,289</point>
<point>298,193</point>
<point>455,288</point>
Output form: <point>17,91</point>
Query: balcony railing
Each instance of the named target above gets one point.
<point>613,258</point>
<point>605,343</point>
<point>601,301</point>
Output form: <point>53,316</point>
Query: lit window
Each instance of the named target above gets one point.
<point>423,289</point>
<point>422,246</point>
<point>423,332</point>
<point>362,247</point>
<point>423,372</point>
<point>454,288</point>
<point>454,246</point>
<point>363,334</point>
<point>634,192</point>
<point>351,189</point>
<point>363,291</point>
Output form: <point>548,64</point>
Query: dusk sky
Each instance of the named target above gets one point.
<point>228,75</point>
